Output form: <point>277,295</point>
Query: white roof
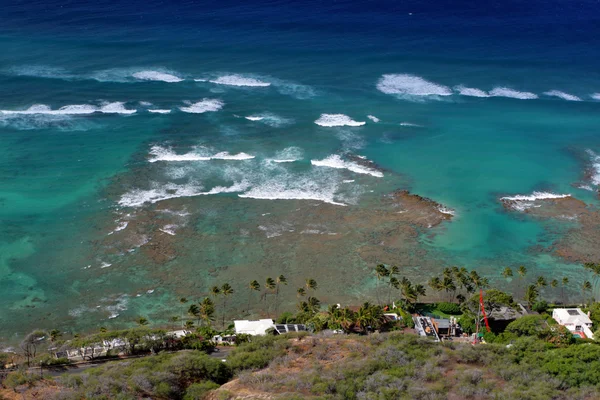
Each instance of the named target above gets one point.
<point>253,327</point>
<point>570,316</point>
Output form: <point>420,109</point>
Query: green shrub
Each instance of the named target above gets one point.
<point>18,378</point>
<point>449,308</point>
<point>540,306</point>
<point>198,391</point>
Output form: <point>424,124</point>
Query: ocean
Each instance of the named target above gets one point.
<point>150,150</point>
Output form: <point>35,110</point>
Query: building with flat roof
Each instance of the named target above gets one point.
<point>575,320</point>
<point>253,327</point>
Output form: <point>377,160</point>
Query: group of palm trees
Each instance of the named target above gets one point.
<point>410,293</point>
<point>205,310</point>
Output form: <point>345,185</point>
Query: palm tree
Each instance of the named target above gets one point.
<point>194,311</point>
<point>522,271</point>
<point>531,295</point>
<point>333,314</point>
<point>311,284</point>
<point>435,284</point>
<point>182,300</point>
<point>346,319</point>
<point>314,304</point>
<point>541,282</point>
<point>392,280</point>
<point>447,284</point>
<point>300,292</point>
<point>553,283</point>
<point>206,311</point>
<point>189,325</point>
<point>565,282</point>
<point>269,285</point>
<point>380,272</point>
<point>586,287</point>
<point>281,280</point>
<point>103,329</point>
<point>419,291</point>
<point>141,321</point>
<point>54,335</point>
<point>254,286</point>
<point>595,270</point>
<point>507,273</point>
<point>226,290</point>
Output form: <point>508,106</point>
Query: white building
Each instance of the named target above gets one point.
<point>574,320</point>
<point>253,327</point>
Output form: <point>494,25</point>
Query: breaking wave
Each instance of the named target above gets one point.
<point>289,154</point>
<point>167,154</point>
<point>473,92</point>
<point>74,109</point>
<point>205,105</point>
<point>160,192</point>
<point>562,95</point>
<point>595,173</point>
<point>335,161</point>
<point>160,111</point>
<point>410,85</point>
<point>331,120</point>
<point>269,119</point>
<point>156,76</point>
<point>239,80</point>
<point>373,118</point>
<point>524,202</point>
<point>511,93</point>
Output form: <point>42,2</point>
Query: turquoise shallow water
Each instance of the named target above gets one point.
<point>68,179</point>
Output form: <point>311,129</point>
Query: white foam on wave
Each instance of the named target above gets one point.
<point>410,85</point>
<point>331,120</point>
<point>224,155</point>
<point>473,92</point>
<point>137,197</point>
<point>150,75</point>
<point>595,176</point>
<point>160,111</point>
<point>120,227</point>
<point>205,105</point>
<point>167,154</point>
<point>410,124</point>
<point>596,96</point>
<point>536,196</point>
<point>269,119</point>
<point>289,154</point>
<point>117,107</point>
<point>373,118</point>
<point>446,210</point>
<point>335,161</point>
<point>513,94</point>
<point>524,202</point>
<point>239,80</point>
<point>75,109</point>
<point>296,189</point>
<point>160,153</point>
<point>562,95</point>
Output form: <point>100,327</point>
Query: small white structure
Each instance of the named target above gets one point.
<point>253,327</point>
<point>574,320</point>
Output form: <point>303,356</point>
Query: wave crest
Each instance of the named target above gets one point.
<point>513,94</point>
<point>410,85</point>
<point>331,120</point>
<point>205,105</point>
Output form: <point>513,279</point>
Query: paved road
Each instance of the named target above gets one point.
<point>220,353</point>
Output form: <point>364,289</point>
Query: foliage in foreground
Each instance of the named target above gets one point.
<point>399,366</point>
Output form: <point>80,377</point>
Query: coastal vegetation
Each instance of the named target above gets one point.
<point>529,358</point>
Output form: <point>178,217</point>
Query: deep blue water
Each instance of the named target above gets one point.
<point>58,171</point>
